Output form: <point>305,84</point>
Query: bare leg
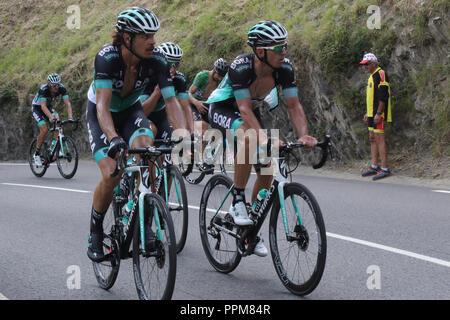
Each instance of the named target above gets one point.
<point>373,148</point>
<point>382,149</point>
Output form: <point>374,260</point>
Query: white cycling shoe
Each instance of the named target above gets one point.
<point>260,248</point>
<point>37,161</point>
<point>240,215</point>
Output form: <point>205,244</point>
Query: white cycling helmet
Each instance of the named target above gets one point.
<point>266,32</point>
<point>54,78</point>
<point>137,20</point>
<point>172,51</point>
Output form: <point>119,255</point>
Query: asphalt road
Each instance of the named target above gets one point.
<point>385,241</point>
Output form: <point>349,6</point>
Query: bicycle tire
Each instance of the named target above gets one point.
<point>165,253</point>
<point>38,173</point>
<point>302,240</point>
<point>68,156</point>
<point>209,200</point>
<point>106,271</point>
<point>178,211</point>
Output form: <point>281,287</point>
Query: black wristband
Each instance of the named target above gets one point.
<point>379,113</point>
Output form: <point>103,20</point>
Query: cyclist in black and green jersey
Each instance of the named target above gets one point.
<point>205,82</point>
<point>115,118</point>
<point>233,106</point>
<point>43,111</point>
<point>153,103</point>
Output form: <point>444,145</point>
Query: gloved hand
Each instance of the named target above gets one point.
<point>115,145</point>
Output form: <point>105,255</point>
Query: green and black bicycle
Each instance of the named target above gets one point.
<point>297,235</point>
<point>61,149</point>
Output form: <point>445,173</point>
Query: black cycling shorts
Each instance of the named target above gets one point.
<point>160,120</point>
<point>129,124</point>
<point>40,116</point>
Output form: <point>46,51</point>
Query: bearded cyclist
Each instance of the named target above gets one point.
<point>233,105</point>
<point>115,118</point>
<point>153,103</point>
<point>43,111</point>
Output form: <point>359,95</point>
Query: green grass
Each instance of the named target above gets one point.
<point>331,33</point>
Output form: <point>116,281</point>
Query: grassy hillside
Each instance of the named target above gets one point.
<point>331,34</point>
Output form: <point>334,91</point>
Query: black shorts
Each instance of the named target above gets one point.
<point>198,116</point>
<point>129,124</point>
<point>160,120</point>
<point>225,117</point>
<point>40,116</point>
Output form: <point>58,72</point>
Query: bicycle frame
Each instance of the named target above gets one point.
<point>276,189</point>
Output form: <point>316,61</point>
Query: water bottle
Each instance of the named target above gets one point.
<point>53,145</point>
<point>127,211</point>
<point>262,194</point>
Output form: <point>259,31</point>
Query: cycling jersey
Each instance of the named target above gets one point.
<point>44,94</point>
<point>201,81</point>
<point>378,89</point>
<point>109,72</point>
<point>179,83</point>
<point>241,75</point>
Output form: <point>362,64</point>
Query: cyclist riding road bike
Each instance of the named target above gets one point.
<point>115,117</point>
<point>233,106</point>
<point>43,111</point>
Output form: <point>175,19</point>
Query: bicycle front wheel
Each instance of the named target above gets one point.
<point>106,271</point>
<point>217,228</point>
<point>298,256</point>
<point>38,171</point>
<point>67,157</point>
<point>154,263</point>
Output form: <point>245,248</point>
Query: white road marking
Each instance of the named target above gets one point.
<point>442,191</point>
<point>375,245</point>
<point>391,249</point>
<point>44,187</point>
<point>14,164</point>
<point>329,234</point>
<point>2,297</point>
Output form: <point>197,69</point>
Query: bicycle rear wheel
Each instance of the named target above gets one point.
<point>155,267</point>
<point>106,271</point>
<point>299,257</point>
<point>219,245</point>
<point>37,171</point>
<point>67,157</point>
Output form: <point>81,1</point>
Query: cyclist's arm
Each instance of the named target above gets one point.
<point>69,107</point>
<point>150,104</point>
<point>298,120</point>
<point>103,101</point>
<point>175,113</point>
<point>188,114</point>
<point>45,109</point>
<point>192,99</point>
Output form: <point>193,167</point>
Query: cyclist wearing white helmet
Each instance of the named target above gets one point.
<point>43,111</point>
<point>233,105</point>
<point>152,101</point>
<point>115,118</point>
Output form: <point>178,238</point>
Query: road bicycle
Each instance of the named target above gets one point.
<point>170,186</point>
<point>138,215</point>
<point>296,228</point>
<point>194,173</point>
<point>61,149</point>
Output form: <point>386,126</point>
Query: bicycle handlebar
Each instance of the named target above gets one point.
<point>324,145</point>
<point>64,122</point>
<point>148,152</point>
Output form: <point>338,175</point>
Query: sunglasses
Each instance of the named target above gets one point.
<point>277,49</point>
<point>174,64</point>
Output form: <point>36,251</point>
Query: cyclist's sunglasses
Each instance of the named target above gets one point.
<point>277,49</point>
<point>174,63</point>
